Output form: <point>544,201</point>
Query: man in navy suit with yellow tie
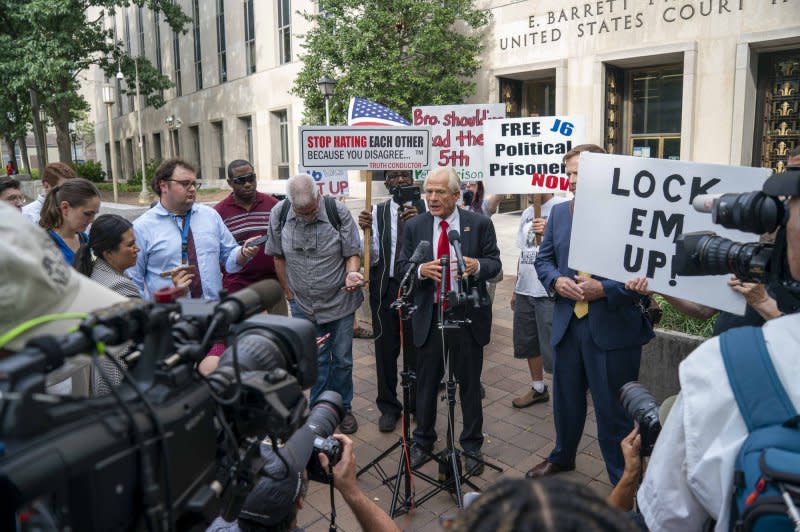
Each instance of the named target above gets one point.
<point>597,337</point>
<point>465,347</point>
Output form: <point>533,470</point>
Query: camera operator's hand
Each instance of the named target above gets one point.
<point>344,473</point>
<point>247,252</point>
<point>538,225</point>
<point>754,293</point>
<point>624,492</point>
<point>638,285</point>
<point>472,266</point>
<point>431,270</point>
<point>407,213</point>
<point>368,514</point>
<point>632,452</point>
<point>568,288</point>
<point>365,219</point>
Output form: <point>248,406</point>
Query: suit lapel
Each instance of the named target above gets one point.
<point>427,234</point>
<point>467,230</point>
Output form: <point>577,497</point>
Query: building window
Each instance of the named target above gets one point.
<point>140,28</point>
<point>778,98</point>
<point>249,37</point>
<point>247,128</point>
<point>280,121</point>
<point>158,153</point>
<point>198,55</point>
<point>176,58</point>
<point>194,137</point>
<point>285,31</point>
<point>643,111</point>
<point>511,96</point>
<point>219,155</point>
<point>157,24</point>
<point>222,59</point>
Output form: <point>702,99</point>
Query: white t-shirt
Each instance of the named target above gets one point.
<point>527,281</point>
<point>690,474</point>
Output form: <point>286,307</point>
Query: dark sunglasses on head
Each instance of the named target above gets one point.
<point>242,179</point>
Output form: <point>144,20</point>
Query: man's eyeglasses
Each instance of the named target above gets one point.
<point>187,184</point>
<point>242,179</point>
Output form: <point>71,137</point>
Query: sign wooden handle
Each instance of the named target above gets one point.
<point>537,213</point>
<point>368,229</point>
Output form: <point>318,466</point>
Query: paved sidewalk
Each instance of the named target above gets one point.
<point>516,439</point>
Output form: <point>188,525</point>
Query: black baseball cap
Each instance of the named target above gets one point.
<point>274,498</point>
<point>787,183</point>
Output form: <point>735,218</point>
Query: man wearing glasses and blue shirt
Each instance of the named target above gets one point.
<point>178,232</point>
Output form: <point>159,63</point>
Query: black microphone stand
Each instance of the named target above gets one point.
<point>407,376</point>
<point>451,476</point>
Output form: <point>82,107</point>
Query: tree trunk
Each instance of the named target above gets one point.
<point>63,139</point>
<point>23,150</point>
<point>11,144</point>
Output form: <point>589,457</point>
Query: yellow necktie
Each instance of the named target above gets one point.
<point>582,307</point>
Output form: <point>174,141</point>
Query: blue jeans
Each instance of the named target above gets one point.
<point>335,359</point>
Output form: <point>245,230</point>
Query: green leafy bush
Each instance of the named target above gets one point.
<point>135,183</point>
<point>91,170</point>
<point>675,321</point>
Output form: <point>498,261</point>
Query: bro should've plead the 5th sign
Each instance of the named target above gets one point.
<point>629,212</point>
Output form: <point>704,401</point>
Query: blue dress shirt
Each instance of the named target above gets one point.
<point>158,235</point>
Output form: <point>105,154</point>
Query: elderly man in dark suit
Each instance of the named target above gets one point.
<point>597,337</point>
<point>465,348</point>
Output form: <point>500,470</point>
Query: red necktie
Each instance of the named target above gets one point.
<point>443,248</point>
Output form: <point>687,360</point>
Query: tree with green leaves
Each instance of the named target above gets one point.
<point>46,44</point>
<point>400,53</point>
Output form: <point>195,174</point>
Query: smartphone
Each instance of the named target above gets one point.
<point>407,194</point>
<point>169,273</point>
<point>362,283</point>
<point>257,242</point>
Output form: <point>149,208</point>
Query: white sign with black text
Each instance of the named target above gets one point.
<point>524,155</point>
<point>365,148</point>
<point>629,212</point>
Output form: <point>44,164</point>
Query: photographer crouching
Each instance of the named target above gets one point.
<point>726,457</point>
<point>312,453</point>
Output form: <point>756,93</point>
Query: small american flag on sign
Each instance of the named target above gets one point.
<point>367,113</point>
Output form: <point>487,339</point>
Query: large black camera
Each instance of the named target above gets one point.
<point>150,454</point>
<point>759,212</point>
<point>405,194</point>
<point>642,407</point>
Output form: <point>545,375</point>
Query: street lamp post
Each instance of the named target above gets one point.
<point>43,123</point>
<point>326,86</point>
<point>108,99</point>
<point>144,195</point>
<point>73,137</point>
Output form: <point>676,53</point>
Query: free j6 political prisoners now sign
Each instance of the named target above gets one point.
<point>524,155</point>
<point>629,212</point>
<point>365,148</point>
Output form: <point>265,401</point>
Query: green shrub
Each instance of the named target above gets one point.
<point>91,170</point>
<point>34,173</point>
<point>135,183</point>
<point>675,321</point>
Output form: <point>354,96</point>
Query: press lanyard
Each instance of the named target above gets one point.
<point>184,236</point>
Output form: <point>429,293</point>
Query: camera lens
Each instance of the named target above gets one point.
<point>326,414</point>
<point>642,407</point>
<point>752,212</point>
<point>719,256</point>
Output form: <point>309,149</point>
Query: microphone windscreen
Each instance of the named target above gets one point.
<point>454,236</point>
<point>422,250</point>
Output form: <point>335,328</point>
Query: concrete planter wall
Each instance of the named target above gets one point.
<point>660,361</point>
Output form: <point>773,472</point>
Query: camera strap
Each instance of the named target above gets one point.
<point>332,527</point>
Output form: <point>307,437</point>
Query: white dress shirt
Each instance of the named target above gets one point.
<point>33,210</point>
<point>394,208</point>
<point>690,475</point>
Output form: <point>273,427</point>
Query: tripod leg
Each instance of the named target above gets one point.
<point>401,466</point>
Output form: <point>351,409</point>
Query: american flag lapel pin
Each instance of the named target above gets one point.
<point>467,229</point>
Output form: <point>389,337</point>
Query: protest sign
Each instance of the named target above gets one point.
<point>457,136</point>
<point>630,210</point>
<point>523,155</point>
<point>365,148</point>
<point>331,182</point>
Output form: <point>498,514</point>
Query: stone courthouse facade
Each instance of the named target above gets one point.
<point>705,80</point>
